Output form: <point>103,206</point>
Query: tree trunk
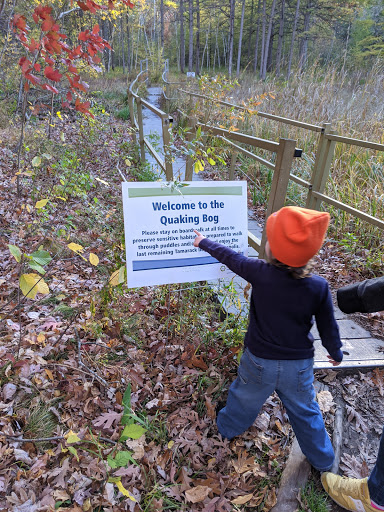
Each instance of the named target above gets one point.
<point>295,21</point>
<point>122,42</point>
<point>197,63</point>
<point>162,25</point>
<point>263,72</point>
<point>262,53</point>
<point>257,37</point>
<point>190,53</point>
<point>250,32</point>
<point>281,36</point>
<point>231,35</point>
<point>240,39</point>
<point>304,42</point>
<point>182,37</point>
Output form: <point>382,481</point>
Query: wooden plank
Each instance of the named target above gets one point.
<point>154,153</point>
<point>268,164</point>
<point>152,108</point>
<point>348,329</point>
<point>294,478</point>
<point>356,142</point>
<point>253,241</point>
<point>361,353</point>
<point>292,122</point>
<point>241,137</point>
<point>299,181</point>
<point>357,213</point>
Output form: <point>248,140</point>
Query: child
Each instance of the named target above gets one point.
<point>278,347</point>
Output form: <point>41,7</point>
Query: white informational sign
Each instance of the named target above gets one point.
<point>191,74</point>
<point>159,221</point>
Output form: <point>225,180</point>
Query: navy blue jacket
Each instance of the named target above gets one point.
<point>282,308</point>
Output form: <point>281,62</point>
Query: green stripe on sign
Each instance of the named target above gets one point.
<point>186,191</point>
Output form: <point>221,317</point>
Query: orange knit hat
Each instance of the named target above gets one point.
<point>296,234</point>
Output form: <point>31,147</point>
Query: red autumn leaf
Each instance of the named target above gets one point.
<point>33,79</point>
<point>82,106</point>
<point>83,36</point>
<point>48,87</point>
<point>52,74</point>
<point>96,29</point>
<point>37,67</point>
<point>24,64</point>
<point>33,46</point>
<point>83,6</point>
<point>69,96</point>
<point>72,69</point>
<point>49,61</point>
<point>19,21</point>
<point>47,24</point>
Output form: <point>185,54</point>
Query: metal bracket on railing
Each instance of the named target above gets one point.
<point>298,152</point>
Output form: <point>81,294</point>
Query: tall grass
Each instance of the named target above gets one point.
<point>353,104</point>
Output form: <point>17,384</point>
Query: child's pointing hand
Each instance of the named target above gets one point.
<point>198,239</point>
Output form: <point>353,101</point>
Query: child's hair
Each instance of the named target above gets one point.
<point>295,272</point>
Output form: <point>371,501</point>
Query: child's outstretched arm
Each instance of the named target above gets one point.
<point>238,263</point>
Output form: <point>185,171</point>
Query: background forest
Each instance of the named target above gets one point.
<point>257,36</point>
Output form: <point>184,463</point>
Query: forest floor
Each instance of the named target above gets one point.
<point>108,394</point>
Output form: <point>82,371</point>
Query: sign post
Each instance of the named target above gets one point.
<point>159,220</point>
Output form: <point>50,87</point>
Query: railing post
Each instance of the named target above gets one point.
<point>131,105</point>
<point>141,128</point>
<point>191,103</point>
<point>284,158</point>
<point>322,166</point>
<point>167,96</point>
<point>167,148</point>
<point>189,162</point>
<point>232,166</point>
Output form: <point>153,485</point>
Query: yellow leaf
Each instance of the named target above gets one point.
<point>117,277</point>
<point>198,166</point>
<point>128,162</point>
<point>62,136</point>
<point>31,284</point>
<point>170,444</point>
<point>93,259</point>
<point>49,374</point>
<point>72,437</point>
<point>41,338</point>
<point>75,247</point>
<point>124,491</point>
<point>41,203</point>
<point>62,198</point>
<point>58,113</point>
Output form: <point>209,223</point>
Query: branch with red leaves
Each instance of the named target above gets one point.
<point>50,57</point>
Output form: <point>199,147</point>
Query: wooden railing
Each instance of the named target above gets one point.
<point>323,160</point>
<point>285,151</point>
<point>137,125</point>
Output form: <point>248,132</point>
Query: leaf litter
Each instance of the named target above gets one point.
<point>140,363</point>
<point>112,390</point>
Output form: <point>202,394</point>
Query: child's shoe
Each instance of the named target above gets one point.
<point>349,493</point>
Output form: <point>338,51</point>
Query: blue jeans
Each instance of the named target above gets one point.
<point>376,478</point>
<point>257,379</point>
